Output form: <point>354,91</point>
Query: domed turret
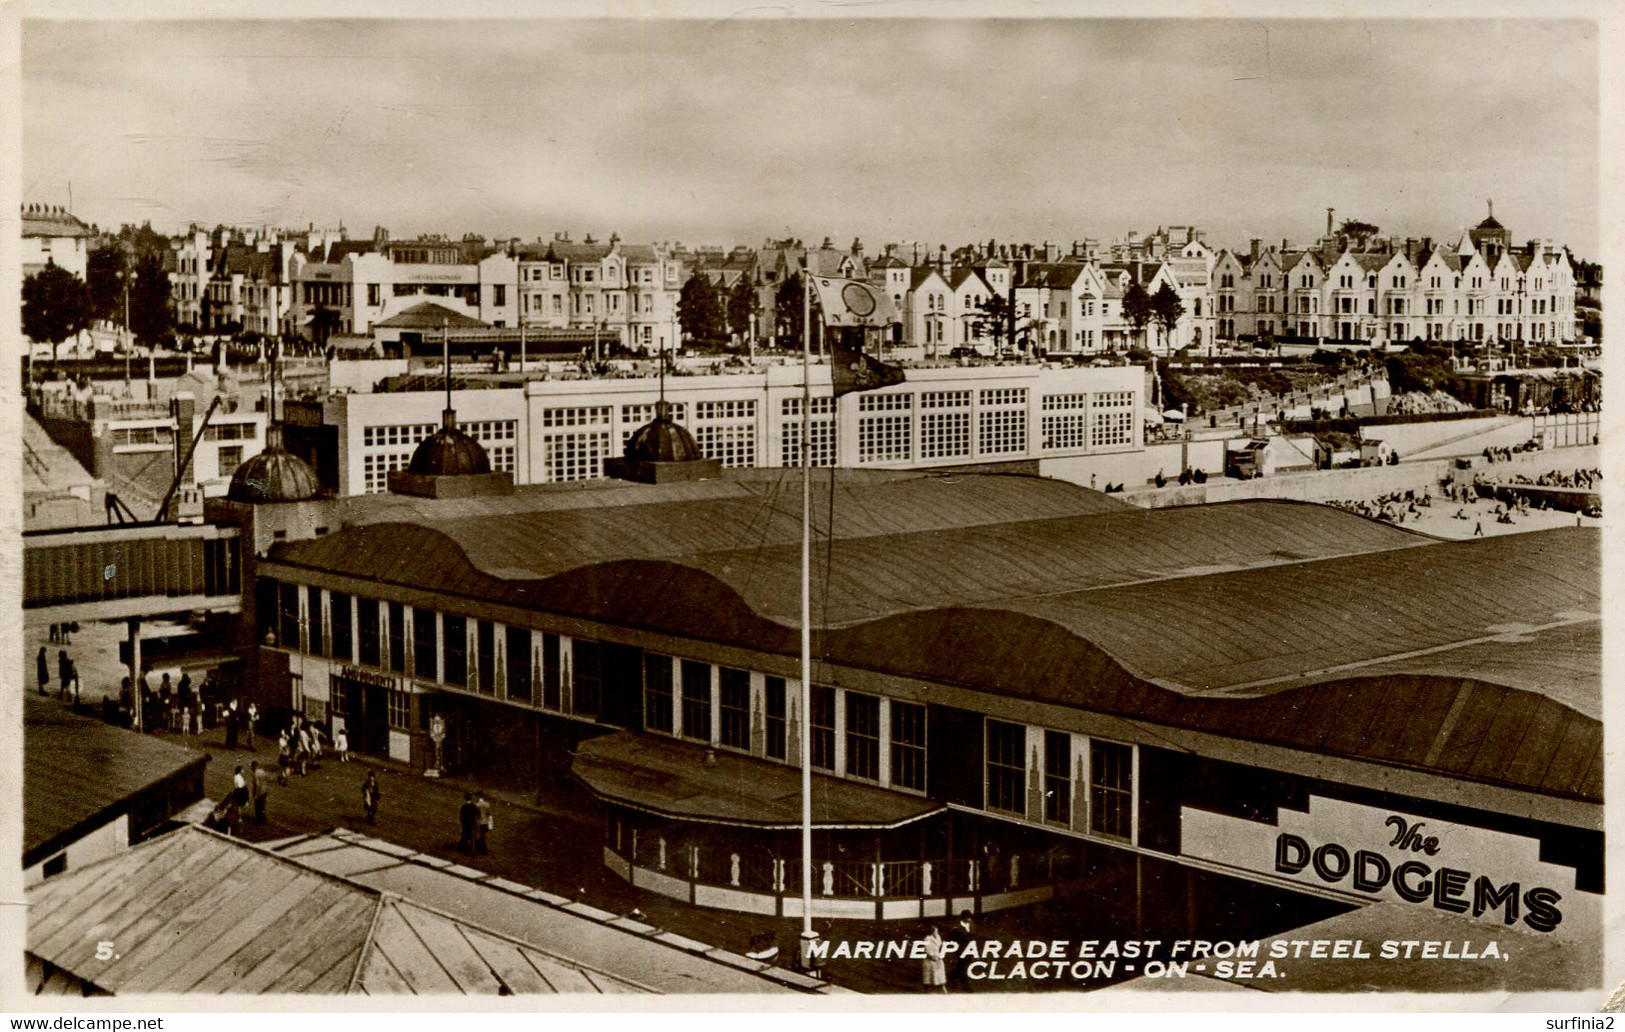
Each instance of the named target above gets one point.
<point>660,451</point>
<point>274,475</point>
<point>662,440</point>
<point>449,452</point>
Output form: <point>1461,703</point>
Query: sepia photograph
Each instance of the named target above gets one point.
<point>787,505</point>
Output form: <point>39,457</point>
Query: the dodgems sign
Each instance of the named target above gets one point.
<point>1487,876</point>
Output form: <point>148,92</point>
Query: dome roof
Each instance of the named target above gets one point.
<point>661,440</point>
<point>1490,223</point>
<point>274,475</point>
<point>449,452</point>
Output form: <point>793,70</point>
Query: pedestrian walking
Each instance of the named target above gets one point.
<point>73,677</point>
<point>468,816</point>
<point>370,796</point>
<point>231,725</point>
<point>341,745</point>
<point>42,667</point>
<point>261,788</point>
<point>248,725</point>
<point>1478,530</point>
<point>934,968</point>
<point>64,670</point>
<point>284,757</point>
<point>482,828</point>
<point>239,786</point>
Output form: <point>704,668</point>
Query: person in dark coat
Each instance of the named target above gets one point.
<point>468,815</point>
<point>42,666</point>
<point>370,794</point>
<point>64,670</point>
<point>231,728</point>
<point>960,935</point>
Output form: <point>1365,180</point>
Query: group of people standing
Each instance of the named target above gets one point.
<point>66,671</point>
<point>475,819</point>
<point>249,790</point>
<point>301,746</point>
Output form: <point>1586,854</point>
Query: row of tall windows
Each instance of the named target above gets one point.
<point>853,734</point>
<point>1109,770</point>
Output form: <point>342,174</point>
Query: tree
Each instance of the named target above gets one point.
<point>151,319</point>
<point>104,281</point>
<point>788,311</point>
<point>1356,228</point>
<point>54,307</point>
<point>741,306</point>
<point>1137,310</point>
<point>699,312</point>
<point>991,318</point>
<point>1167,309</point>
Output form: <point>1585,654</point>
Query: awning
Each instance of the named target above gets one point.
<point>1173,415</point>
<point>670,778</point>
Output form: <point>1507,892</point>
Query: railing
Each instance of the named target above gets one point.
<point>763,873</point>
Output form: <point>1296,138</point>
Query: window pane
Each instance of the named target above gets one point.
<point>367,629</point>
<point>862,736</point>
<point>908,745</point>
<point>425,631</point>
<point>822,710</point>
<point>734,693</point>
<point>1006,767</point>
<point>288,632</point>
<point>657,692</point>
<point>774,724</point>
<point>338,606</point>
<point>586,671</point>
<point>1111,794</point>
<point>456,632</point>
<point>1058,776</point>
<point>396,613</point>
<point>696,700</point>
<point>519,663</point>
<point>313,603</point>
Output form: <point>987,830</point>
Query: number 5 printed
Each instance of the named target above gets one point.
<point>104,950</point>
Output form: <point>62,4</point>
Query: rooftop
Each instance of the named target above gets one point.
<point>79,773</point>
<point>47,221</point>
<point>205,913</point>
<point>665,777</point>
<point>1206,617</point>
<point>427,315</point>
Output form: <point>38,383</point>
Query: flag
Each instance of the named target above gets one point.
<point>847,302</point>
<point>850,370</point>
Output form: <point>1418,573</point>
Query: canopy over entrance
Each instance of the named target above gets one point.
<point>674,779</point>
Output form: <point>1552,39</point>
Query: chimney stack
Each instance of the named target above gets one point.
<point>1252,251</point>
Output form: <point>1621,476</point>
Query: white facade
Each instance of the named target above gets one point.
<point>1455,294</point>
<point>628,292</point>
<point>53,236</point>
<point>358,288</point>
<point>559,430</point>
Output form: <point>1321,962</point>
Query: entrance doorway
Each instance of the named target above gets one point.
<point>365,708</point>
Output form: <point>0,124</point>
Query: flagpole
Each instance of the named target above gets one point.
<point>807,933</point>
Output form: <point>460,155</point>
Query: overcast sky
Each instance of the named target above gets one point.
<point>726,132</point>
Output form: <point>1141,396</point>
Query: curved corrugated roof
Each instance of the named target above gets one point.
<point>1144,613</point>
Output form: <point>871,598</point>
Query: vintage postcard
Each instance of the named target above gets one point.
<point>783,504</point>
